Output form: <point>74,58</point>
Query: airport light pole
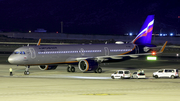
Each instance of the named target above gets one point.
<point>61,27</point>
<point>177,56</point>
<point>160,31</point>
<point>175,32</point>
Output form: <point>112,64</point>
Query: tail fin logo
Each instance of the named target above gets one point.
<point>145,34</point>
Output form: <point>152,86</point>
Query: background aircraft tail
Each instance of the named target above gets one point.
<point>145,34</point>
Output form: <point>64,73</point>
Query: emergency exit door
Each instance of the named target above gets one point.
<point>33,54</point>
<point>106,51</point>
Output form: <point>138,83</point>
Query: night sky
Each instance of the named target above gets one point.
<point>88,16</point>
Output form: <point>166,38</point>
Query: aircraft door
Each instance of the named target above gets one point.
<point>106,51</point>
<point>33,54</point>
<point>82,51</point>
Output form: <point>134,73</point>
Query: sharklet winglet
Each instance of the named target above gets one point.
<point>163,47</point>
<point>39,42</point>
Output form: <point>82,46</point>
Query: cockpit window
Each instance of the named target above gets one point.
<point>16,52</point>
<point>21,52</point>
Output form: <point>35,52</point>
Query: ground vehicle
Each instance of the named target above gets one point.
<point>170,73</point>
<point>138,75</point>
<point>121,74</point>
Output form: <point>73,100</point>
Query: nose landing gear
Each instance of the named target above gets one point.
<point>26,72</point>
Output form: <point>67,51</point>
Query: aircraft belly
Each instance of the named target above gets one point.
<point>51,59</point>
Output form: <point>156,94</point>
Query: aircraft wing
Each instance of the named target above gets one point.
<point>132,55</point>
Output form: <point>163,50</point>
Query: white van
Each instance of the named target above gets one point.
<point>121,74</point>
<point>170,73</point>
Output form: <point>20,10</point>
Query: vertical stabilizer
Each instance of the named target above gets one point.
<point>145,34</point>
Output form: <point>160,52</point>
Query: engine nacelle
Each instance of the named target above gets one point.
<point>47,67</point>
<point>87,65</point>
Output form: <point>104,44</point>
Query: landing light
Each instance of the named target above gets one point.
<point>151,58</point>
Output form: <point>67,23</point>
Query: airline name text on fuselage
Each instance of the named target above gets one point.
<point>47,47</point>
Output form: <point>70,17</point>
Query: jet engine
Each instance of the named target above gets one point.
<point>47,67</point>
<point>87,65</point>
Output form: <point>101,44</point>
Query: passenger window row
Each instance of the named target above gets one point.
<point>120,50</point>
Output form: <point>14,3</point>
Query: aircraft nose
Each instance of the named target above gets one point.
<point>10,59</point>
<point>17,60</point>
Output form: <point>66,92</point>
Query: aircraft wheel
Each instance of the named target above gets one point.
<point>26,72</point>
<point>72,69</point>
<point>99,70</point>
<point>68,69</point>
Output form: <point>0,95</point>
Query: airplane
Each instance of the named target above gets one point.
<point>87,57</point>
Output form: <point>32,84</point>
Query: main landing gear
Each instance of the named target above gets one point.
<point>26,72</point>
<point>70,68</point>
<point>99,69</point>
